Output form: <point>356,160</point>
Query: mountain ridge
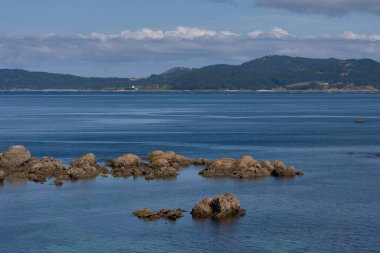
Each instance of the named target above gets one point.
<point>267,73</point>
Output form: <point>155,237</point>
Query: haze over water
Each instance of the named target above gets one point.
<point>334,207</point>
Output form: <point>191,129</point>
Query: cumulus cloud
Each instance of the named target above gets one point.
<point>331,7</point>
<point>146,51</point>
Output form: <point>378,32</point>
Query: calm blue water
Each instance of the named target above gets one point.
<point>335,207</point>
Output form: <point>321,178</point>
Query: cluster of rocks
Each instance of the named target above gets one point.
<point>220,207</point>
<point>247,167</point>
<point>161,165</point>
<point>149,215</point>
<point>17,163</point>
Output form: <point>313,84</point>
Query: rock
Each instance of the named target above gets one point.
<point>38,178</point>
<point>359,121</point>
<point>88,160</point>
<point>268,166</point>
<point>84,167</point>
<point>290,171</point>
<point>13,158</point>
<point>159,163</point>
<point>47,167</point>
<point>223,167</point>
<point>377,154</point>
<point>203,209</point>
<point>126,161</point>
<point>170,214</point>
<point>2,175</point>
<point>165,172</point>
<point>149,177</point>
<point>103,169</point>
<point>151,156</point>
<point>279,168</point>
<point>245,167</point>
<point>128,165</point>
<point>148,215</point>
<point>58,182</point>
<point>221,206</point>
<point>200,161</point>
<point>300,173</point>
<point>174,160</point>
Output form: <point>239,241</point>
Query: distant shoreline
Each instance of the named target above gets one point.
<point>188,91</point>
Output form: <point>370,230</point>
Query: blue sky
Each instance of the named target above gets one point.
<point>133,38</point>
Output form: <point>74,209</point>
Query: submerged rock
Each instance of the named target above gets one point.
<point>377,154</point>
<point>148,215</point>
<point>58,182</point>
<point>359,121</point>
<point>219,207</point>
<point>200,161</point>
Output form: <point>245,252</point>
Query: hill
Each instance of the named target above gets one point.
<point>273,72</point>
<point>270,72</point>
<point>21,79</point>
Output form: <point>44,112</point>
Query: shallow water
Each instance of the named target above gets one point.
<point>335,207</point>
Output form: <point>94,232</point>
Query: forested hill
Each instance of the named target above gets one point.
<point>270,72</point>
<point>21,79</point>
<point>273,72</point>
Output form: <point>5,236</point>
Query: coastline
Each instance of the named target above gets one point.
<point>191,91</point>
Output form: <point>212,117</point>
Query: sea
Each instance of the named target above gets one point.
<point>334,207</point>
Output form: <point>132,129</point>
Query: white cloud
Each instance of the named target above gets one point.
<point>181,32</point>
<point>364,37</point>
<point>151,51</point>
<point>276,32</point>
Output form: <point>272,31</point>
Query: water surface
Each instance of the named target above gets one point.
<point>335,207</point>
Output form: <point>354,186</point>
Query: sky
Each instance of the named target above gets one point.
<point>136,38</point>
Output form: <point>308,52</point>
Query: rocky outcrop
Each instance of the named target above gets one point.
<point>17,163</point>
<point>246,167</point>
<point>149,215</point>
<point>127,165</point>
<point>132,165</point>
<point>84,167</point>
<point>161,165</point>
<point>47,167</point>
<point>12,161</point>
<point>170,158</point>
<point>220,207</point>
<point>201,161</point>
